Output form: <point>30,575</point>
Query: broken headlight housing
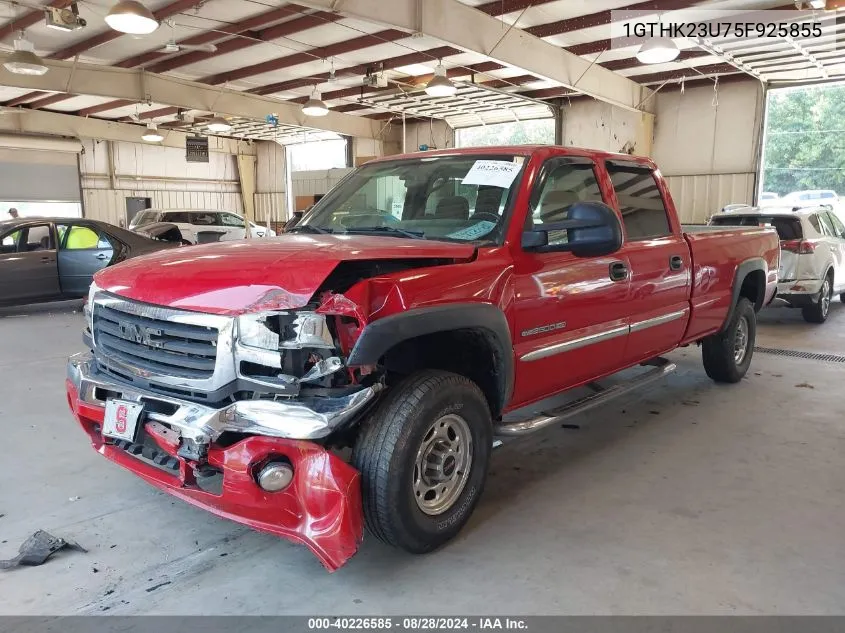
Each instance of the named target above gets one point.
<point>283,349</point>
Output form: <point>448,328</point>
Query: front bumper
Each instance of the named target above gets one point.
<point>321,508</point>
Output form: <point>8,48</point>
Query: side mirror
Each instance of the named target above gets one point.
<point>593,229</point>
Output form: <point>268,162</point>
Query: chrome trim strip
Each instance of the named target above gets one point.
<point>576,343</point>
<point>660,320</point>
<point>302,419</point>
<point>591,339</point>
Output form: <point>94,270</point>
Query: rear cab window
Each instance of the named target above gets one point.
<point>644,213</point>
<point>144,217</point>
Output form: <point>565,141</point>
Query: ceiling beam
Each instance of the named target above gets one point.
<point>138,86</point>
<point>107,36</point>
<point>501,7</point>
<point>687,73</point>
<point>474,31</point>
<point>215,36</point>
<point>54,123</point>
<point>601,18</point>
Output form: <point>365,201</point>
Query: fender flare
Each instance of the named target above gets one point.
<point>742,271</point>
<point>380,336</point>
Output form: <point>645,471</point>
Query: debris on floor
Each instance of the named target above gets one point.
<point>74,498</point>
<point>38,548</point>
<point>805,385</point>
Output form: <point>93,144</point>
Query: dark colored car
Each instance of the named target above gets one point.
<point>45,259</point>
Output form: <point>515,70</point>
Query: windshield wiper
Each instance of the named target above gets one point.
<point>416,235</point>
<point>309,228</point>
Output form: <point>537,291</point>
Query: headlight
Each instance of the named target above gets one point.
<point>88,308</point>
<point>259,330</point>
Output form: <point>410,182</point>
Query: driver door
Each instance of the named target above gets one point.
<point>571,316</point>
<point>234,225</point>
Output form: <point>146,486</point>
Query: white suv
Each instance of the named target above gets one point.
<point>812,254</point>
<point>200,226</point>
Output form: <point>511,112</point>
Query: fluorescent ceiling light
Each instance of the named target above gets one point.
<point>658,50</point>
<point>414,69</point>
<point>24,61</point>
<point>128,16</point>
<point>152,135</point>
<point>315,106</point>
<point>219,124</point>
<point>440,85</point>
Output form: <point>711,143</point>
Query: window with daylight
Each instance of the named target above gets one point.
<point>315,155</point>
<point>536,132</point>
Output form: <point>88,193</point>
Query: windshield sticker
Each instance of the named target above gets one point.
<point>493,173</point>
<point>474,232</point>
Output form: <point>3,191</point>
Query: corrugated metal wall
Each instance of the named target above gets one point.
<point>270,183</point>
<point>706,145</point>
<point>310,183</point>
<point>157,172</point>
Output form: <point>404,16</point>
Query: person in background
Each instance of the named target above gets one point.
<point>14,213</point>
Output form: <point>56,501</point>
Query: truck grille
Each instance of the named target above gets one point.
<point>155,345</point>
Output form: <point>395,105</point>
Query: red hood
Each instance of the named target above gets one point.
<point>247,276</point>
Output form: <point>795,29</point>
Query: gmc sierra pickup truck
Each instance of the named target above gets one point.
<point>359,370</point>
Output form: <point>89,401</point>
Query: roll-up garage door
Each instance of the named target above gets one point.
<point>39,169</point>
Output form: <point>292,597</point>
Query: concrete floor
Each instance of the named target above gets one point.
<point>689,498</point>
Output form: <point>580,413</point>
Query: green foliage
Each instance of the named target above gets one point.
<point>805,140</point>
<point>541,131</point>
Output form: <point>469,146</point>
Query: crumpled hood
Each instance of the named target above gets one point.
<point>243,276</point>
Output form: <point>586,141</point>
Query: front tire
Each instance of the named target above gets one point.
<point>817,312</point>
<point>423,456</point>
<point>727,355</point>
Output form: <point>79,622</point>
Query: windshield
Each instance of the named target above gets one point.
<point>454,198</point>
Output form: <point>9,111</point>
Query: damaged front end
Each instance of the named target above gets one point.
<point>240,415</point>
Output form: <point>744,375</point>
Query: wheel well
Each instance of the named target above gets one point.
<point>754,288</point>
<point>470,352</point>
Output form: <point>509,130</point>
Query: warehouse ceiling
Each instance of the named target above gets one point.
<point>365,61</point>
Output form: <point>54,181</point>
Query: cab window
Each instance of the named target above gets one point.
<point>565,182</point>
<point>643,211</point>
<point>204,219</point>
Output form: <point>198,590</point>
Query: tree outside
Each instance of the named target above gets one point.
<point>539,131</point>
<point>805,140</point>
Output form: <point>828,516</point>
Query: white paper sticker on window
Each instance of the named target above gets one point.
<point>473,232</point>
<point>493,173</point>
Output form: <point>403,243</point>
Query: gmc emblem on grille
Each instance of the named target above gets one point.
<point>140,335</point>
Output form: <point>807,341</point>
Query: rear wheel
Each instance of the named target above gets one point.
<point>727,355</point>
<point>817,312</point>
<point>423,456</point>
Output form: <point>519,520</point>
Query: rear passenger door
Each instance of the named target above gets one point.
<point>659,262</point>
<point>83,250</point>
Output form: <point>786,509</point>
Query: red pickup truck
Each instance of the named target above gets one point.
<point>360,369</point>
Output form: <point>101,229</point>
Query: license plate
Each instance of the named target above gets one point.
<point>121,419</point>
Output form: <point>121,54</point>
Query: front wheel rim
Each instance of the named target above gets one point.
<point>442,465</point>
<point>741,340</point>
<point>825,300</point>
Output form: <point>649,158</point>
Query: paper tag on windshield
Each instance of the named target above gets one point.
<point>494,173</point>
<point>473,232</point>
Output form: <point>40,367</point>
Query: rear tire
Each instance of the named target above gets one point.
<point>423,456</point>
<point>727,355</point>
<point>817,312</point>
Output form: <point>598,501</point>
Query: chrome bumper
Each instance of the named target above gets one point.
<point>293,419</point>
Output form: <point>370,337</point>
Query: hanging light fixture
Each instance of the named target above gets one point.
<point>218,124</point>
<point>658,50</point>
<point>315,106</point>
<point>440,85</point>
<point>152,134</point>
<point>24,61</point>
<point>129,16</point>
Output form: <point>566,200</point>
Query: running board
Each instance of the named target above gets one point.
<point>662,368</point>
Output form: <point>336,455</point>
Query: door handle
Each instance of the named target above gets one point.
<point>102,256</point>
<point>676,263</point>
<point>618,271</point>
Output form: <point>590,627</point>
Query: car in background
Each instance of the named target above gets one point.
<point>47,259</point>
<point>768,199</point>
<point>815,197</point>
<point>200,226</point>
<point>812,262</point>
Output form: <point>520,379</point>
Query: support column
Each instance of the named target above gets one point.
<point>246,176</point>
